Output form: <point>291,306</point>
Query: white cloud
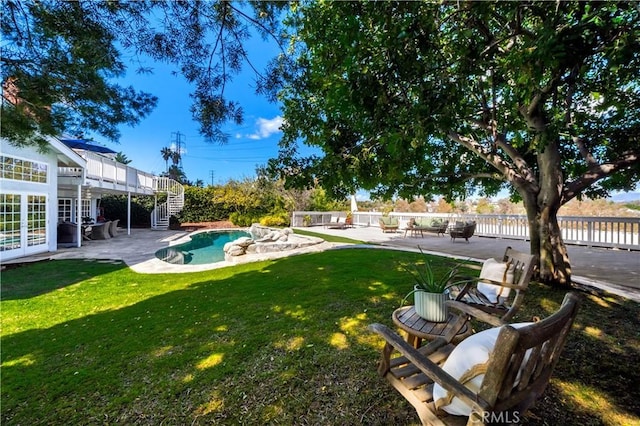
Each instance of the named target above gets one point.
<point>266,127</point>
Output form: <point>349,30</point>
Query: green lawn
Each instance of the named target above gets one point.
<point>271,342</point>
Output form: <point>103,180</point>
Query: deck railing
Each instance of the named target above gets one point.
<point>615,232</point>
<point>108,173</point>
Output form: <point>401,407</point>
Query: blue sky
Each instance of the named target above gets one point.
<point>250,144</point>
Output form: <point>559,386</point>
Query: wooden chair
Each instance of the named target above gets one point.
<point>515,373</point>
<point>523,265</point>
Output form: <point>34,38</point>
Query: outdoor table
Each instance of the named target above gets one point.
<point>417,328</point>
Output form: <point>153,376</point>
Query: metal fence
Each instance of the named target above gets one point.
<point>614,232</point>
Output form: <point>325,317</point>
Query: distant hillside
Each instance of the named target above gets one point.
<point>626,197</point>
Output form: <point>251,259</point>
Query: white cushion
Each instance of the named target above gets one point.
<point>468,364</point>
<point>496,270</point>
<point>342,219</point>
<point>334,219</point>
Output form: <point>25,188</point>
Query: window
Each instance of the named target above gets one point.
<point>85,211</point>
<point>25,170</point>
<point>64,210</point>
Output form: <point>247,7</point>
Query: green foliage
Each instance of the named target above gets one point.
<point>281,219</point>
<point>320,201</point>
<point>64,58</point>
<point>115,207</point>
<point>174,223</point>
<point>246,201</point>
<point>200,205</point>
<point>434,280</point>
<point>633,206</point>
<point>394,124</point>
<point>445,98</point>
<point>122,158</point>
<point>243,219</point>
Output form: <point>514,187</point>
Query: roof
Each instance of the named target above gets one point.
<point>83,144</point>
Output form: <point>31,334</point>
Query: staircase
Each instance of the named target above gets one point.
<point>174,204</point>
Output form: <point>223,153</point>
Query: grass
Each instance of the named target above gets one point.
<point>280,341</point>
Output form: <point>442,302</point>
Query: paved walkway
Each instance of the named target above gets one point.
<point>617,271</point>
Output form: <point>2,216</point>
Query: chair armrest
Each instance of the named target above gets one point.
<point>475,313</point>
<point>500,283</point>
<point>428,367</point>
<point>468,282</point>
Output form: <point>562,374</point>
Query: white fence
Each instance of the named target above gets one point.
<point>616,232</point>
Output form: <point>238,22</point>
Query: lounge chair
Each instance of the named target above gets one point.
<point>502,285</point>
<point>389,224</point>
<point>340,223</point>
<point>493,376</point>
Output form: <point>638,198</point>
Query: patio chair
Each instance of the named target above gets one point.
<point>493,376</point>
<point>492,292</point>
<point>461,230</point>
<point>389,224</point>
<point>113,228</point>
<point>67,233</point>
<point>100,231</point>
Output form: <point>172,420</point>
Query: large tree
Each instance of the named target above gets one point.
<point>61,59</point>
<point>422,98</point>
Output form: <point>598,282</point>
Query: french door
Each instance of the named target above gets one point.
<point>23,224</point>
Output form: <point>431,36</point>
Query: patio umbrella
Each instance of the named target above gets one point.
<point>354,204</point>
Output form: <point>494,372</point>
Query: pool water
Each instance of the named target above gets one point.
<point>204,248</point>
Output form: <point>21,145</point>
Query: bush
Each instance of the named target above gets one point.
<point>243,219</point>
<point>281,219</point>
<point>174,223</point>
<point>115,207</point>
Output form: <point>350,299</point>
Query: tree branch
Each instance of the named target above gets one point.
<point>597,172</point>
<point>520,175</point>
<point>584,151</point>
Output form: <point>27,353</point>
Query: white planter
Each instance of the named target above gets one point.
<point>431,306</point>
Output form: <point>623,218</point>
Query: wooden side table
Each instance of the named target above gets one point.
<point>418,328</point>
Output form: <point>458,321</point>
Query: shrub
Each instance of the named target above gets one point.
<point>281,219</point>
<point>174,223</point>
<point>115,207</point>
<point>243,219</point>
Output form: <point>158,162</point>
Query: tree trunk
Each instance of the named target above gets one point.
<point>542,209</point>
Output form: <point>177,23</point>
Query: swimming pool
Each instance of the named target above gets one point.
<point>204,248</point>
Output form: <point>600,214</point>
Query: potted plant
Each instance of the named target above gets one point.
<point>349,220</point>
<point>431,291</point>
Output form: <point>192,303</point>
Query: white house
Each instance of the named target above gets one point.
<point>39,190</point>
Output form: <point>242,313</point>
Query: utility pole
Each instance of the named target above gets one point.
<point>179,143</point>
<point>211,174</point>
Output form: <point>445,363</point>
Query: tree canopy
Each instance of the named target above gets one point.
<point>395,92</point>
<point>423,98</point>
<point>61,60</point>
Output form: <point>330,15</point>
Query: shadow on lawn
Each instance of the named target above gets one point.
<point>286,343</point>
<point>33,279</point>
